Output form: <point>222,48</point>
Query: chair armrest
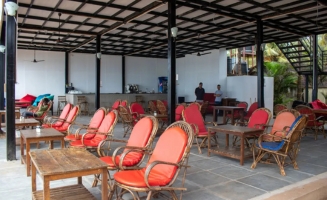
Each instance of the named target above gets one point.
<point>100,133</point>
<point>273,136</point>
<point>211,123</point>
<point>103,142</point>
<point>195,128</point>
<point>151,166</point>
<point>123,155</point>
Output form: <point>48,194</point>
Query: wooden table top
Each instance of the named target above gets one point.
<point>228,108</point>
<point>26,121</point>
<point>45,132</point>
<point>63,161</point>
<point>235,130</point>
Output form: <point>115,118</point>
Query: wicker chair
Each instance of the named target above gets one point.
<point>161,107</point>
<point>127,119</point>
<point>237,114</point>
<point>178,112</point>
<point>54,121</point>
<point>115,105</point>
<point>195,104</point>
<point>278,108</point>
<point>153,106</point>
<point>69,120</point>
<point>125,157</point>
<point>124,103</point>
<point>168,158</point>
<point>313,123</point>
<point>136,110</point>
<point>90,140</point>
<point>287,145</point>
<point>93,126</point>
<point>252,108</point>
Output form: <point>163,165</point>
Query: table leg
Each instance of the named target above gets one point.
<point>227,140</point>
<point>242,150</point>
<point>46,188</point>
<point>62,143</point>
<point>28,158</point>
<point>51,144</point>
<point>209,143</point>
<point>232,120</point>
<point>33,178</point>
<point>224,117</point>
<point>104,184</point>
<point>214,116</point>
<point>79,180</point>
<point>21,148</point>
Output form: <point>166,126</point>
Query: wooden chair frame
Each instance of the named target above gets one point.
<point>127,119</point>
<point>70,122</point>
<point>289,149</point>
<point>235,112</point>
<point>316,129</point>
<point>156,190</point>
<point>102,149</point>
<point>197,104</point>
<point>53,119</point>
<point>152,107</point>
<point>278,108</point>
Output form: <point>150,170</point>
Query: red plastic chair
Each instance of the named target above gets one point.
<point>141,139</point>
<point>193,116</point>
<point>252,108</point>
<point>90,140</point>
<point>93,126</point>
<point>136,110</point>
<point>168,158</point>
<point>312,121</point>
<point>237,113</point>
<point>178,112</point>
<point>58,121</point>
<point>69,120</point>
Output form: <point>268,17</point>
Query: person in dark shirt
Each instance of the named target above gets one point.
<point>199,93</point>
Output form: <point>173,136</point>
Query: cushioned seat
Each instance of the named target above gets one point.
<point>131,159</point>
<point>69,120</point>
<point>60,121</point>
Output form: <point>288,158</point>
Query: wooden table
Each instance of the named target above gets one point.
<point>231,152</point>
<point>225,109</point>
<point>31,136</point>
<point>58,164</point>
<point>320,111</point>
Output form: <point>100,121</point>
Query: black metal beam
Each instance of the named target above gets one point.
<point>315,69</point>
<point>98,72</point>
<point>11,31</point>
<point>260,66</point>
<point>66,70</point>
<point>123,75</point>
<point>306,99</point>
<point>2,68</point>
<point>171,61</point>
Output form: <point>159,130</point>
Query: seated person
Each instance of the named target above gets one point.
<point>39,113</point>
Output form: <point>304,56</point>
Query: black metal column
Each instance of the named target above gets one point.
<point>306,98</point>
<point>171,61</point>
<point>123,75</point>
<point>66,71</point>
<point>2,68</point>
<point>314,69</point>
<point>11,31</point>
<point>97,73</point>
<point>260,66</point>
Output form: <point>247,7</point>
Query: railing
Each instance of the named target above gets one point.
<point>321,55</point>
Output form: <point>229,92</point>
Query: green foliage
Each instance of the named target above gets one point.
<point>284,81</point>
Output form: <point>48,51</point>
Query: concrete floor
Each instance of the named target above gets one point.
<point>214,177</point>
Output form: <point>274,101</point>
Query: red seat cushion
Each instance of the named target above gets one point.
<point>169,148</point>
<point>131,159</point>
<point>72,137</point>
<point>178,112</point>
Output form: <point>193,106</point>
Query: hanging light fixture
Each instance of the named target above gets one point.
<point>11,8</point>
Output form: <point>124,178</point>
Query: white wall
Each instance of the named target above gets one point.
<point>145,72</point>
<point>210,69</point>
<point>82,72</point>
<point>42,77</point>
<point>244,88</point>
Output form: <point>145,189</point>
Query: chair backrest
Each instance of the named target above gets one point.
<point>46,112</point>
<point>161,107</point>
<point>192,115</point>
<point>107,126</point>
<point>71,117</point>
<point>178,112</point>
<point>124,103</point>
<point>124,114</point>
<point>136,108</point>
<point>195,104</point>
<point>143,132</point>
<point>258,117</point>
<point>278,108</point>
<point>153,105</point>
<point>97,118</point>
<point>252,108</point>
<point>204,107</point>
<point>173,146</point>
<point>297,128</point>
<point>165,102</point>
<point>305,110</point>
<point>284,118</point>
<point>64,114</point>
<point>243,104</point>
<point>115,104</point>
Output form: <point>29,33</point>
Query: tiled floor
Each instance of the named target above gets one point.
<point>208,178</point>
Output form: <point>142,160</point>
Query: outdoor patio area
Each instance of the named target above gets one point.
<point>214,177</point>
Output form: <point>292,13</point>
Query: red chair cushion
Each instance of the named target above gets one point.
<point>192,115</point>
<point>169,148</point>
<point>178,112</point>
<point>28,97</point>
<point>136,107</point>
<point>282,120</point>
<point>317,104</point>
<point>131,159</point>
<point>72,137</point>
<point>115,105</point>
<point>258,117</point>
<point>72,114</point>
<point>252,108</point>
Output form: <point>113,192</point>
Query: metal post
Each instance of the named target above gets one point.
<point>171,61</point>
<point>306,98</point>
<point>123,75</point>
<point>11,31</point>
<point>66,71</point>
<point>97,72</point>
<point>260,66</point>
<point>315,69</point>
<point>2,69</point>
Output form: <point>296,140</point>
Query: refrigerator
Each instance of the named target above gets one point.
<point>162,84</point>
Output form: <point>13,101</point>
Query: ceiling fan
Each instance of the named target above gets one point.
<point>201,54</point>
<point>36,61</point>
<point>59,40</point>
